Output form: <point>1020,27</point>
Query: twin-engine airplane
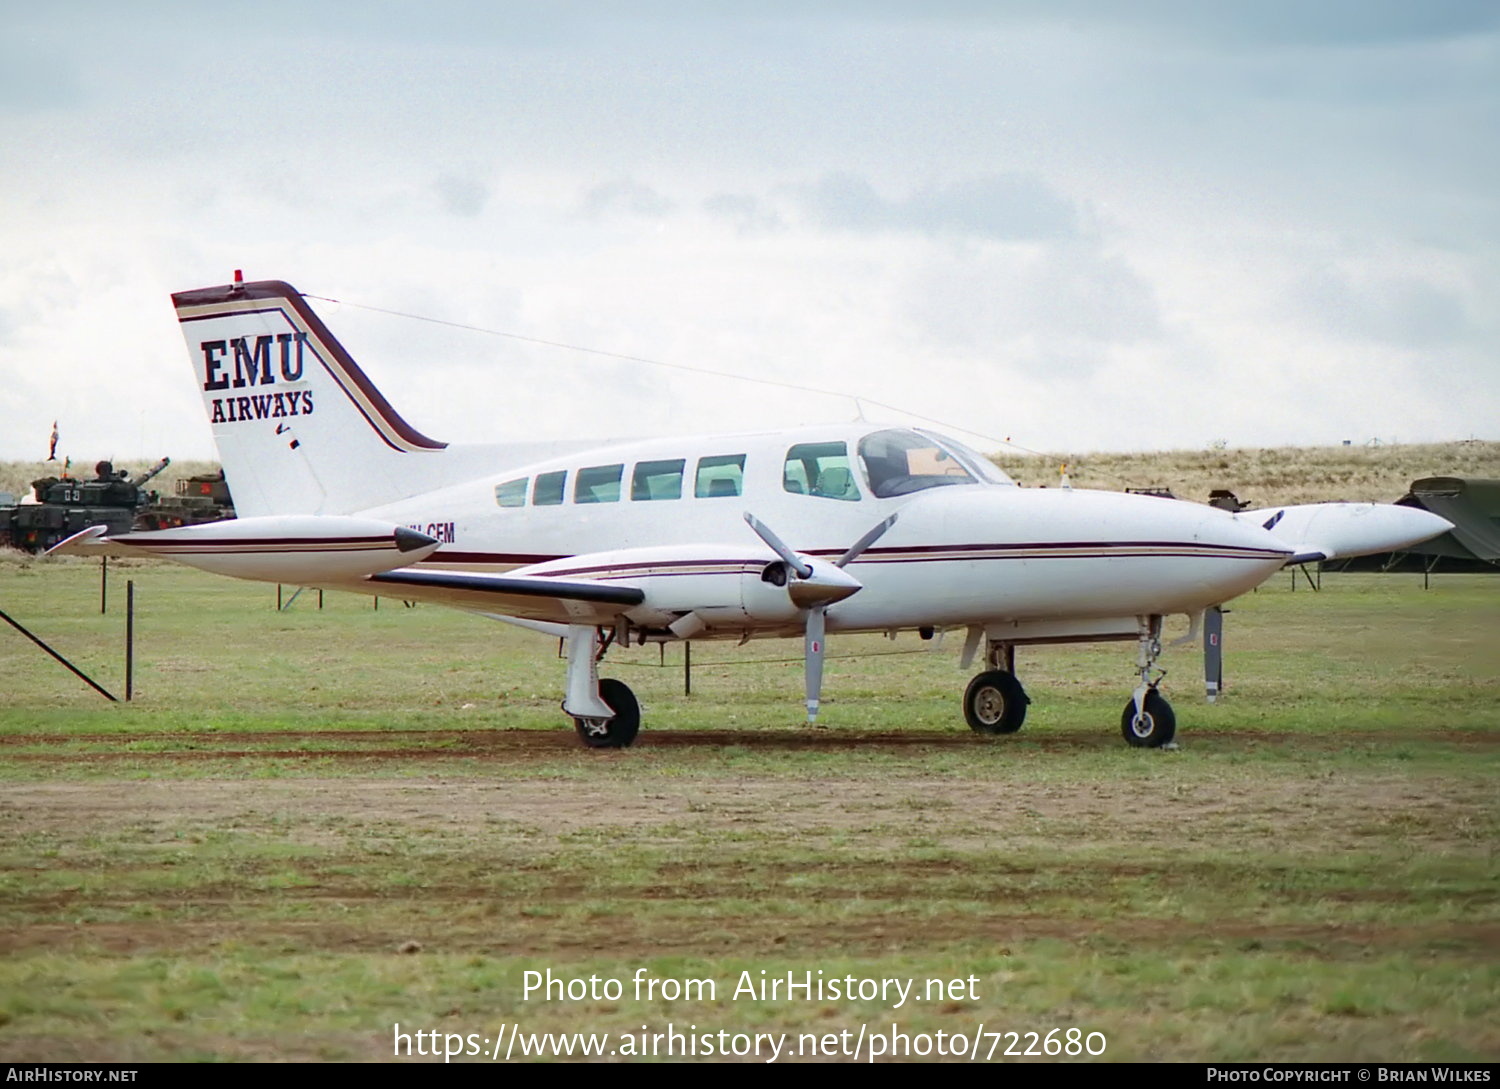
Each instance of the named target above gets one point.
<point>845,528</point>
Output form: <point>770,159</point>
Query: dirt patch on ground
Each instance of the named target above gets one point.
<point>524,744</point>
<point>750,935</point>
<point>1313,808</point>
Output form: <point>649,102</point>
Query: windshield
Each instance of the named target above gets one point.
<point>973,460</point>
<point>900,462</point>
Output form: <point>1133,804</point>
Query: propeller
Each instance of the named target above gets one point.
<point>814,590</point>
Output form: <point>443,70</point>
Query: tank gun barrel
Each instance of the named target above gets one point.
<point>151,472</point>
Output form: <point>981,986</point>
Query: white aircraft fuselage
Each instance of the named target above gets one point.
<point>987,552</point>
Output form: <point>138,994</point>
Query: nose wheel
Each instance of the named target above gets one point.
<point>1150,727</point>
<point>1148,721</point>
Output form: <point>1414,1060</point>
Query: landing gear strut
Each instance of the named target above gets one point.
<point>1148,721</point>
<point>995,702</point>
<point>606,713</point>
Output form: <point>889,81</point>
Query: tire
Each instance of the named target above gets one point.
<point>995,703</point>
<point>1158,724</point>
<point>618,732</point>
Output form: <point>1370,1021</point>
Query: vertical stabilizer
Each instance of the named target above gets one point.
<point>299,427</point>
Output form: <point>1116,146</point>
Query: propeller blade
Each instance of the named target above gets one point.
<point>813,646</point>
<point>802,568</point>
<point>1213,651</point>
<point>814,590</point>
<point>865,542</point>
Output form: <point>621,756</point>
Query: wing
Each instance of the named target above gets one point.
<point>530,597</point>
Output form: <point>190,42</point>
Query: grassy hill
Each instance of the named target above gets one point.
<point>1264,477</point>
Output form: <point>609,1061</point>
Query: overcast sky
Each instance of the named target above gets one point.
<point>1078,225</point>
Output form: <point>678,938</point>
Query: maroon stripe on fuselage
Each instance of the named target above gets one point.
<point>1016,546</point>
<point>914,554</point>
<point>383,541</point>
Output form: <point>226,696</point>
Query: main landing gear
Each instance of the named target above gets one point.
<point>995,702</point>
<point>605,712</point>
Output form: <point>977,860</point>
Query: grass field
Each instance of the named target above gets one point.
<point>313,825</point>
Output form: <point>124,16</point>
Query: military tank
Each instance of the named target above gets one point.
<point>64,505</point>
<point>200,498</point>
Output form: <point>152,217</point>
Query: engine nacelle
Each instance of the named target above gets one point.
<point>1347,529</point>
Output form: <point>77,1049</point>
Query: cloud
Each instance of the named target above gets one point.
<point>749,214</point>
<point>1012,207</point>
<point>1268,22</point>
<point>1063,308</point>
<point>1405,311</point>
<point>627,196</point>
<point>462,197</point>
<point>36,77</point>
<point>1234,207</point>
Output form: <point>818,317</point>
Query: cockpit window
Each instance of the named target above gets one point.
<point>901,462</point>
<point>981,466</point>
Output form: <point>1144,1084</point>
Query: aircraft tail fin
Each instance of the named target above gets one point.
<point>299,426</point>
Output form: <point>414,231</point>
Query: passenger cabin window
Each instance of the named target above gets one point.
<point>512,493</point>
<point>548,491</point>
<point>820,469</point>
<point>720,475</point>
<point>901,462</point>
<point>598,484</point>
<point>657,480</point>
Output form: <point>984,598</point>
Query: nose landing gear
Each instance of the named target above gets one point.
<point>1148,721</point>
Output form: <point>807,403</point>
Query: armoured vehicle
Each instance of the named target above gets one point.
<point>64,505</point>
<point>201,498</point>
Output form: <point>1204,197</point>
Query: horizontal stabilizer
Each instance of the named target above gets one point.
<point>300,550</point>
<point>91,542</point>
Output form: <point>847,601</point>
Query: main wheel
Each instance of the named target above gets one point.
<point>1155,725</point>
<point>617,732</point>
<point>995,703</point>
